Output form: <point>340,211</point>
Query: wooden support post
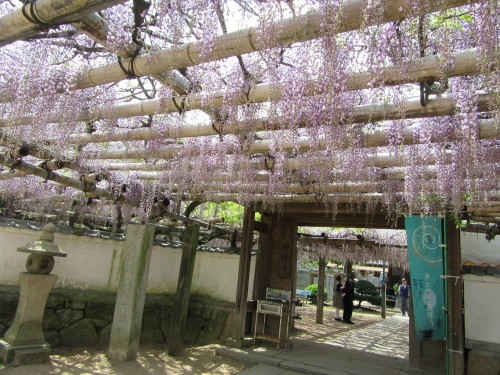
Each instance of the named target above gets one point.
<point>415,347</point>
<point>321,288</point>
<point>262,262</point>
<point>240,309</point>
<point>455,335</point>
<point>127,319</point>
<point>348,269</point>
<point>179,315</point>
<point>383,294</point>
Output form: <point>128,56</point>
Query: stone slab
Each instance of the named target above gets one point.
<point>263,369</point>
<point>15,355</point>
<point>31,356</point>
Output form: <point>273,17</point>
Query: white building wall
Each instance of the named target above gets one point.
<point>94,264</point>
<point>481,307</point>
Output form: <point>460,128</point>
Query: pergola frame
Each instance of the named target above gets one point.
<point>330,199</point>
<point>231,44</point>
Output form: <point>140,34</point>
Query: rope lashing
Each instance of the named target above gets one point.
<point>180,108</point>
<point>33,16</point>
<point>130,72</point>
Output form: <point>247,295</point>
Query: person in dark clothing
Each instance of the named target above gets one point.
<point>404,294</point>
<point>348,296</point>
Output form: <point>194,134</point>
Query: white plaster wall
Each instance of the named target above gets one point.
<point>482,304</point>
<point>476,249</point>
<point>214,274</point>
<point>217,275</point>
<point>95,264</point>
<point>87,265</point>
<point>164,269</point>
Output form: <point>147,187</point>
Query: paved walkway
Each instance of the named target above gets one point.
<point>370,347</point>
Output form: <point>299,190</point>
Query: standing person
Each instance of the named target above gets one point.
<point>337,297</point>
<point>348,296</point>
<point>404,296</point>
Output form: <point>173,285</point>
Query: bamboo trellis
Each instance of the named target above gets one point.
<point>437,106</point>
<point>162,65</point>
<point>466,63</point>
<point>295,29</point>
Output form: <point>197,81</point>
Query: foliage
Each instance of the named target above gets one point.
<point>396,288</point>
<point>231,212</point>
<point>308,263</point>
<point>313,288</point>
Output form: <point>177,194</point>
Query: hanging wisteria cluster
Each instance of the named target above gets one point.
<point>390,247</point>
<point>354,102</point>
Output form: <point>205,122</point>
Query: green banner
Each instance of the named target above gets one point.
<point>425,255</point>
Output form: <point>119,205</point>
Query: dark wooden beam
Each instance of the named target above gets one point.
<point>260,227</point>
<point>322,208</point>
<point>456,334</point>
<point>179,316</point>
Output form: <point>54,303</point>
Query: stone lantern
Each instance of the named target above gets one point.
<point>24,342</point>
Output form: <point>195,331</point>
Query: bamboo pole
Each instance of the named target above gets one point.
<point>487,130</point>
<point>437,106</point>
<point>395,185</point>
<point>336,241</point>
<point>96,27</point>
<point>377,159</point>
<point>484,219</point>
<point>487,213</point>
<point>63,180</point>
<point>290,30</point>
<point>37,151</point>
<point>9,174</point>
<point>15,26</point>
<point>466,63</point>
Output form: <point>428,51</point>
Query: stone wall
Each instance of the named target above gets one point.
<point>77,318</point>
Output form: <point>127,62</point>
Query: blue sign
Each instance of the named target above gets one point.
<point>425,255</point>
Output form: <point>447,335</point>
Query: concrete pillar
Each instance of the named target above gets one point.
<point>127,319</point>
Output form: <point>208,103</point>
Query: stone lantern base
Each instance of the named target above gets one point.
<point>17,355</point>
<point>24,342</point>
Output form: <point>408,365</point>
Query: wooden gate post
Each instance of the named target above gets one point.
<point>455,318</point>
<point>321,287</point>
<point>179,315</point>
<point>240,310</point>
